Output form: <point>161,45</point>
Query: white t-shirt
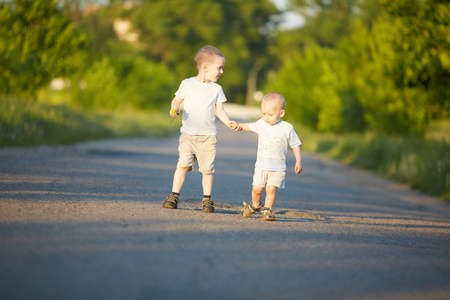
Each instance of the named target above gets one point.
<point>199,104</point>
<point>272,144</point>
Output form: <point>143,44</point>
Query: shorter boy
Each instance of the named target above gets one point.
<point>274,135</point>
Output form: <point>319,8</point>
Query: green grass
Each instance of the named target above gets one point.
<point>27,123</point>
<point>422,164</point>
<point>439,130</point>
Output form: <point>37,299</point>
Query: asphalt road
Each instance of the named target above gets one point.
<point>86,222</point>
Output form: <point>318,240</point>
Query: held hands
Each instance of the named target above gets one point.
<point>235,126</point>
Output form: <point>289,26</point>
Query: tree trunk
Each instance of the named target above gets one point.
<point>251,84</point>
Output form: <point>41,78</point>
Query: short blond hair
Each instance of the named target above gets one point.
<point>205,55</point>
<point>275,97</point>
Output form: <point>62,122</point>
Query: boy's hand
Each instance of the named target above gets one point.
<point>298,167</point>
<point>174,112</point>
<point>235,126</point>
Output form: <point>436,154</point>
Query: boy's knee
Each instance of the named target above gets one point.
<point>271,189</point>
<point>183,169</point>
<point>257,190</point>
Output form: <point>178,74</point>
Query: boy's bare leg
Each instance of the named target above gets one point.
<point>178,179</point>
<point>207,182</point>
<point>271,191</point>
<point>255,205</point>
<point>256,195</point>
<point>207,204</point>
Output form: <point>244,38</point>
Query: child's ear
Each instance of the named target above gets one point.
<point>282,113</point>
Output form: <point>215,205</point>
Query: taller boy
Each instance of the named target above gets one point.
<point>201,95</point>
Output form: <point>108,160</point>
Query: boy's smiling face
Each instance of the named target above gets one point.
<point>214,69</point>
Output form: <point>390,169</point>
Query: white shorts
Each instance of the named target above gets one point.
<point>263,178</point>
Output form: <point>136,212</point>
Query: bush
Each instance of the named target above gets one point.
<point>310,85</point>
<point>149,85</point>
<point>99,88</point>
<point>124,82</point>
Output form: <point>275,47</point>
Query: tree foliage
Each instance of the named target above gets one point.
<point>173,31</point>
<point>121,82</point>
<point>37,43</point>
<point>355,65</point>
<point>394,72</point>
<point>311,87</point>
<point>325,21</point>
<point>423,48</point>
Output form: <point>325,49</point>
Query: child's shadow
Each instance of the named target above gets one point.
<point>219,208</point>
<point>284,215</point>
<point>291,215</point>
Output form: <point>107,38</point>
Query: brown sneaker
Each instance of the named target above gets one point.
<point>249,209</point>
<point>207,205</point>
<point>171,202</point>
<point>268,215</point>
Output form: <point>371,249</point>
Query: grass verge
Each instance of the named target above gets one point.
<point>26,123</point>
<point>422,164</point>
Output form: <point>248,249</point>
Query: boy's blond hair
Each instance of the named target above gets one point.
<point>205,55</point>
<point>275,97</point>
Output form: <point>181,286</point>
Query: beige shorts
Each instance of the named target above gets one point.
<point>263,178</point>
<point>197,147</point>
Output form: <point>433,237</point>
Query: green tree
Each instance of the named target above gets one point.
<point>392,68</point>
<point>400,66</point>
<point>423,50</point>
<point>310,84</point>
<point>173,30</point>
<point>99,87</point>
<point>97,21</point>
<point>36,45</point>
<point>124,81</point>
<point>325,21</point>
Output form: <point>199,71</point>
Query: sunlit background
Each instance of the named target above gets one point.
<point>354,72</point>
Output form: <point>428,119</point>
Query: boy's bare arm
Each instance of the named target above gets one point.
<point>176,102</point>
<point>298,159</point>
<point>221,113</point>
<point>245,126</point>
<point>223,116</point>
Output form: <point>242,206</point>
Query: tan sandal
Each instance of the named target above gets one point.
<point>268,215</point>
<point>207,206</point>
<point>171,202</point>
<point>249,209</point>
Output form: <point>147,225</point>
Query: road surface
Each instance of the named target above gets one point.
<point>86,222</point>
